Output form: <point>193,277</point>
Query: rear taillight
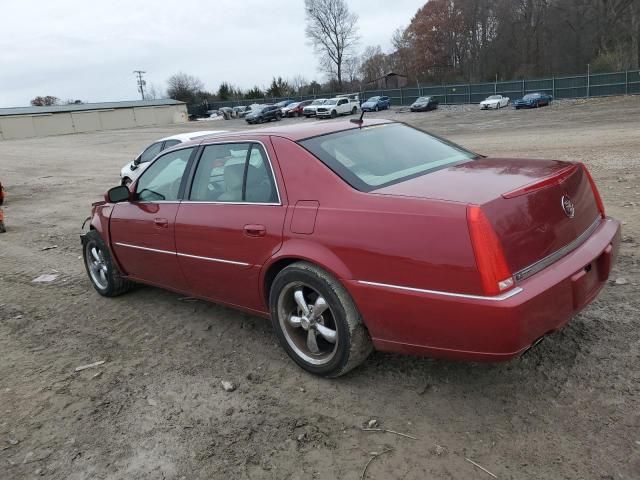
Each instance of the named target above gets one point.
<point>594,189</point>
<point>492,265</point>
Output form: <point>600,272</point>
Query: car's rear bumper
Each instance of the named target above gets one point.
<point>475,328</point>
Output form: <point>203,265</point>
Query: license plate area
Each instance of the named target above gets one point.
<point>586,282</point>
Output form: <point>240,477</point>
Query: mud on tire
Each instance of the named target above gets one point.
<point>101,269</point>
<point>353,343</point>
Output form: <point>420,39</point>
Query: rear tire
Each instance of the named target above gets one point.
<point>101,269</point>
<point>354,110</point>
<point>304,283</point>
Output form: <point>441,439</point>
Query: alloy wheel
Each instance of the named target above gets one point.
<point>97,266</point>
<point>308,323</point>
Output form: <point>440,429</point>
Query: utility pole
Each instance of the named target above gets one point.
<point>141,81</point>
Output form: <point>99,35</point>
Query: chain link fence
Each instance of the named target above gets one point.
<point>579,86</point>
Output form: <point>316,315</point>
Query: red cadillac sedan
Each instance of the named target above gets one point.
<point>359,236</point>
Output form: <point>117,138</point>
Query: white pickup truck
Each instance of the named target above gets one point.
<point>338,106</point>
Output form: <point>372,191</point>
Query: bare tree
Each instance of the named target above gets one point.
<point>352,66</point>
<point>297,82</point>
<point>183,87</point>
<point>152,93</point>
<point>374,64</point>
<point>332,30</point>
<point>45,101</point>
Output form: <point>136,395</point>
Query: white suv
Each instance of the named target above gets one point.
<point>337,106</point>
<point>132,170</point>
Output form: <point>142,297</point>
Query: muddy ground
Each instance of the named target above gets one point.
<point>155,409</point>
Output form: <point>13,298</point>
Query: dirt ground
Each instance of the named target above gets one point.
<point>570,409</point>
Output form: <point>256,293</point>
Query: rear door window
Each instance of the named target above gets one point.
<point>234,173</point>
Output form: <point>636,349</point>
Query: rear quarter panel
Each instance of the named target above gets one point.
<point>364,236</point>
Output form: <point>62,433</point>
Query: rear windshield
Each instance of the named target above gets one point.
<point>373,157</point>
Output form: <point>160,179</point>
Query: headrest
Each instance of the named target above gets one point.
<point>233,176</point>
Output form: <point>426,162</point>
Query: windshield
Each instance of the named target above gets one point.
<point>494,97</point>
<point>531,95</point>
<point>293,105</point>
<point>422,99</point>
<point>333,101</point>
<point>258,108</point>
<point>373,99</point>
<point>370,158</point>
<point>319,101</point>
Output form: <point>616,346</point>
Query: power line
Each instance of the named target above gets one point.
<point>141,82</point>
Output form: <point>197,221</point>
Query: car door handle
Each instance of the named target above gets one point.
<point>161,222</point>
<point>255,230</point>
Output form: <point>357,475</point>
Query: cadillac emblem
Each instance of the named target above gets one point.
<point>567,206</point>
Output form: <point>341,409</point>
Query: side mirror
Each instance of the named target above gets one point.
<point>137,160</point>
<point>117,194</point>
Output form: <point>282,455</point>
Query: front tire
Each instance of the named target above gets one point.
<point>376,109</point>
<point>101,269</point>
<point>317,322</point>
<point>334,114</point>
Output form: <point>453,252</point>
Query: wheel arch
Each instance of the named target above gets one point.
<point>301,251</point>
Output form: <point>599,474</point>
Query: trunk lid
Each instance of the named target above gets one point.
<point>528,202</point>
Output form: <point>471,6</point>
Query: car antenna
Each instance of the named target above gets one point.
<point>358,121</point>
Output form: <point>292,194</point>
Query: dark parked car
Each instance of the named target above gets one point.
<point>374,104</point>
<point>359,237</point>
<point>263,113</point>
<point>284,103</point>
<point>533,100</point>
<point>424,104</point>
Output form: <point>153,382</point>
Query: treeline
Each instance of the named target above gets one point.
<point>455,40</point>
<point>475,40</point>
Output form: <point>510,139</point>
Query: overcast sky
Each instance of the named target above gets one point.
<point>88,50</point>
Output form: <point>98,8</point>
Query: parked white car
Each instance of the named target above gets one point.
<point>310,110</point>
<point>338,106</point>
<point>131,171</point>
<point>494,102</point>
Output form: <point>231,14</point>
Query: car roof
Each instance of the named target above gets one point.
<point>185,137</point>
<point>295,132</point>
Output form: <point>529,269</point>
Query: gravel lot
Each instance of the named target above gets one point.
<point>569,409</point>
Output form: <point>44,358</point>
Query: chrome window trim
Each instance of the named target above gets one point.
<point>497,298</point>
<point>558,254</point>
<point>210,259</point>
<point>232,203</point>
<point>273,174</point>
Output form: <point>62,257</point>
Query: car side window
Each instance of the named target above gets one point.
<point>234,173</point>
<point>342,101</point>
<point>171,143</point>
<point>161,181</point>
<point>150,152</point>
